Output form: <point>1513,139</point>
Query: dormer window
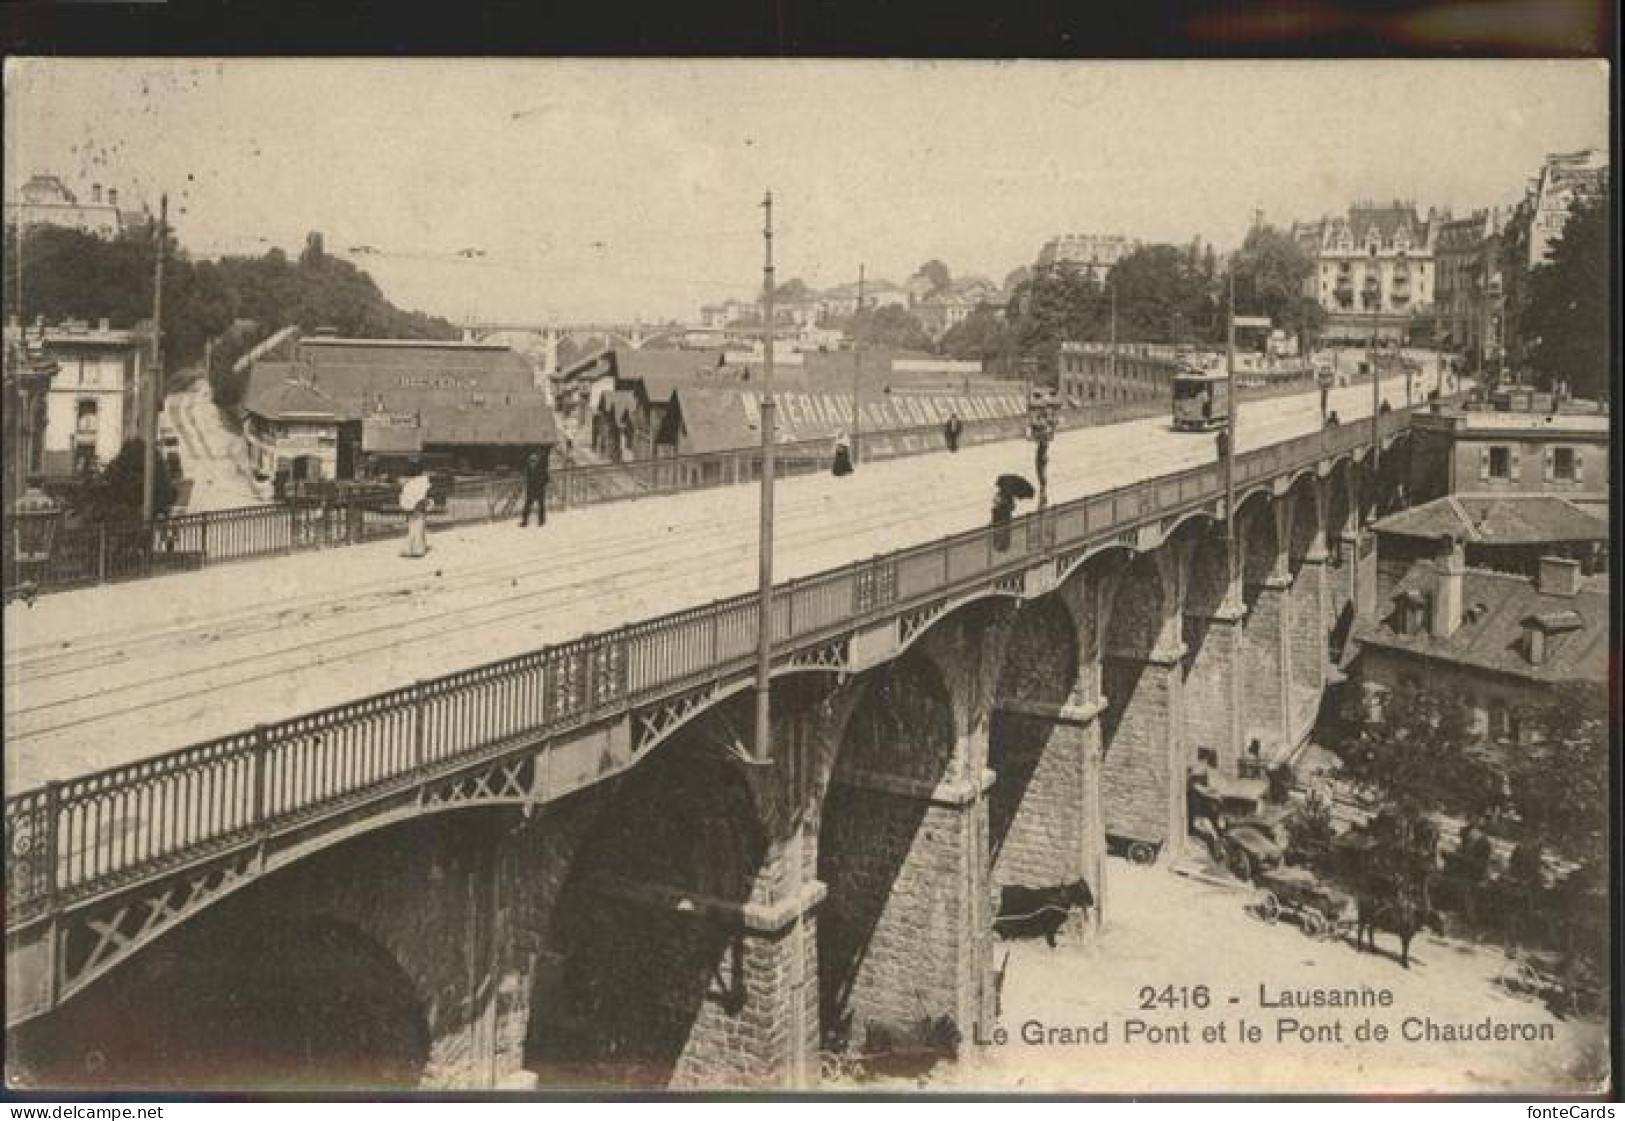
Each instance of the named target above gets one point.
<point>1410,613</point>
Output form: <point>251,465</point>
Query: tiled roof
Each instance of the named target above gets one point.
<point>462,394</point>
<point>1521,520</point>
<point>276,392</point>
<point>714,419</point>
<point>1491,635</point>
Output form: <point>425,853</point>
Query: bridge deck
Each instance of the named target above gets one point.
<point>118,673</point>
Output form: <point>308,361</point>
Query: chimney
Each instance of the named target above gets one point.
<point>1447,594</point>
<point>1558,576</point>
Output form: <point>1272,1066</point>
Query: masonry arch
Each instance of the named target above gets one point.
<point>1141,770</point>
<point>244,999</point>
<point>1034,825</point>
<point>645,932</point>
<point>884,856</point>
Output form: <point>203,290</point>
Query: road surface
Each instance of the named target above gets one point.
<point>121,672</point>
<point>212,456</point>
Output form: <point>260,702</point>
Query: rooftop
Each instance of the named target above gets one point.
<point>1498,607</point>
<point>1515,520</point>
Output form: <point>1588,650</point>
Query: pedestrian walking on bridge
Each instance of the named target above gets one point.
<point>536,480</point>
<point>951,431</point>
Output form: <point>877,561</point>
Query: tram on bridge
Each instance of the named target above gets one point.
<point>1201,398</point>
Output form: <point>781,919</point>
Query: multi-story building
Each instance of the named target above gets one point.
<point>94,403</point>
<point>47,201</point>
<point>1501,642</point>
<point>1536,448</point>
<point>1469,293</point>
<point>1537,222</point>
<point>1564,178</point>
<point>1374,270</point>
<point>1092,253</point>
<point>1092,374</point>
<point>24,416</point>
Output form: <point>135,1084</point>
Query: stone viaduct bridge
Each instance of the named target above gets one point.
<point>564,863</point>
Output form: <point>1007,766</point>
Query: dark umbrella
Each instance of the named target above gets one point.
<point>1015,486</point>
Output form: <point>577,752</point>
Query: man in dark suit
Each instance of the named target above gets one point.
<point>536,480</point>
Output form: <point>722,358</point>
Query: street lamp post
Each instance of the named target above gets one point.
<point>761,750</point>
<point>857,372</point>
<point>1233,553</point>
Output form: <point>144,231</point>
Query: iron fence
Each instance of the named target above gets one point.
<point>83,837</point>
<point>88,555</point>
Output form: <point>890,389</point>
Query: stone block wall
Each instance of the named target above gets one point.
<point>1137,771</point>
<point>1034,809</point>
<point>1262,672</point>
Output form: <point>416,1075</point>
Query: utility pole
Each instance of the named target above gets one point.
<point>1113,288</point>
<point>155,376</point>
<point>762,752</point>
<point>1376,390</point>
<point>857,372</point>
<point>1233,553</point>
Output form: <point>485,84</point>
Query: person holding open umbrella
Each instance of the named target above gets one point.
<point>415,501</point>
<point>1006,490</point>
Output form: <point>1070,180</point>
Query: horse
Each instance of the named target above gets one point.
<point>1027,912</point>
<point>1400,907</point>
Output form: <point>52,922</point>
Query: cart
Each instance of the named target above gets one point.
<point>1320,910</point>
<point>1133,849</point>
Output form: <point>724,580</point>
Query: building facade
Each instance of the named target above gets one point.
<point>344,408</point>
<point>24,416</point>
<point>1469,290</point>
<point>1092,253</point>
<point>1491,453</point>
<point>1090,374</point>
<point>1500,642</point>
<point>47,201</point>
<point>1564,178</point>
<point>94,403</point>
<point>1374,270</point>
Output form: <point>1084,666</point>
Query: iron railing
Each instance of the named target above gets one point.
<point>89,555</point>
<point>81,838</point>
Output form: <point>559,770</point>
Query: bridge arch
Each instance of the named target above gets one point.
<point>1034,825</point>
<point>248,998</point>
<point>884,821</point>
<point>644,934</point>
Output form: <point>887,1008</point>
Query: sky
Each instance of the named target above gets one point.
<point>622,189</point>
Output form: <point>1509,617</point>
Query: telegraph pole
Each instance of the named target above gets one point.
<point>155,376</point>
<point>1234,551</point>
<point>857,371</point>
<point>762,750</point>
<point>1376,392</point>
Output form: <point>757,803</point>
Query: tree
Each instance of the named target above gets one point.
<point>1162,296</point>
<point>1017,275</point>
<point>1567,301</point>
<point>1558,780</point>
<point>115,496</point>
<point>1061,303</point>
<point>937,273</point>
<point>890,326</point>
<point>983,334</point>
<point>1417,751</point>
<point>793,290</point>
<point>1270,273</point>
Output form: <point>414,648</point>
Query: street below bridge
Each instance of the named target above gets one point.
<point>122,672</point>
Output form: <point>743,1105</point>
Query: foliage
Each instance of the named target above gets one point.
<point>1165,294</point>
<point>937,273</point>
<point>70,274</point>
<point>1565,303</point>
<point>1419,753</point>
<point>1310,830</point>
<point>115,495</point>
<point>983,334</point>
<point>890,326</point>
<point>792,290</point>
<point>1270,273</point>
<point>1061,303</point>
<point>1559,780</point>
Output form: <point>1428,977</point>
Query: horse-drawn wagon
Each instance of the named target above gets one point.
<point>1320,909</point>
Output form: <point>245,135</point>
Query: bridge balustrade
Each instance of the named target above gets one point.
<point>84,837</point>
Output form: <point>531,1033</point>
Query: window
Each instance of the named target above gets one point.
<point>1563,463</point>
<point>1500,462</point>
